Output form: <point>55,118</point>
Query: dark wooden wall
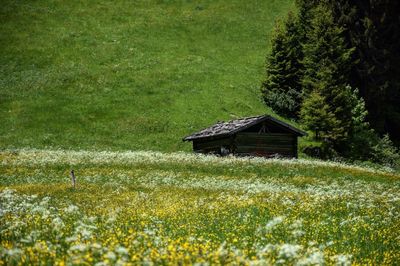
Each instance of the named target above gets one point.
<point>267,144</point>
<point>252,144</point>
<point>212,145</point>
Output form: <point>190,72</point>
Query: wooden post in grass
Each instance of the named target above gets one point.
<point>73,178</point>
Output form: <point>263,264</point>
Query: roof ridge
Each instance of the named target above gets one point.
<point>233,126</point>
<point>248,117</point>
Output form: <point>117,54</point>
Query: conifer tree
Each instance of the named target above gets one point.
<point>327,62</point>
<point>372,26</point>
<point>364,143</point>
<point>362,137</point>
<point>282,87</point>
<point>316,115</point>
<point>305,16</point>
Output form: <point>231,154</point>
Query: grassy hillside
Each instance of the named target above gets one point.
<point>180,209</point>
<point>128,74</point>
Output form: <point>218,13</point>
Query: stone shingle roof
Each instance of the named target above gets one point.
<point>231,127</point>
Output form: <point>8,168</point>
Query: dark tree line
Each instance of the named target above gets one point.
<point>373,29</point>
<point>335,66</point>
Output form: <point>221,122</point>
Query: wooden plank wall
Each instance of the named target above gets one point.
<point>268,144</point>
<point>207,146</point>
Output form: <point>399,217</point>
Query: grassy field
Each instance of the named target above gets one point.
<point>128,75</point>
<point>140,75</point>
<point>176,208</point>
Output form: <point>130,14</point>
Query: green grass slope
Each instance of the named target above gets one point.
<point>128,74</point>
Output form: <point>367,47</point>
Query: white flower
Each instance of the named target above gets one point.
<point>342,260</point>
<point>45,201</point>
<point>78,247</point>
<point>57,223</point>
<point>298,233</point>
<point>297,224</point>
<point>111,218</point>
<point>274,222</point>
<point>316,258</point>
<point>31,238</point>
<point>101,263</point>
<point>289,250</point>
<point>7,193</point>
<point>121,250</point>
<point>71,239</point>
<point>86,233</point>
<point>268,248</point>
<point>71,209</point>
<point>14,252</point>
<point>110,255</point>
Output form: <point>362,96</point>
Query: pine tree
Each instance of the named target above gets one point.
<point>372,26</point>
<point>364,143</point>
<point>316,115</point>
<point>362,138</point>
<point>305,16</point>
<point>282,87</point>
<point>327,62</point>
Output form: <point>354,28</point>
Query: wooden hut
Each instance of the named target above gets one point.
<point>252,136</point>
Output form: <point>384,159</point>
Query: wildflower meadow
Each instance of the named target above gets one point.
<point>151,208</point>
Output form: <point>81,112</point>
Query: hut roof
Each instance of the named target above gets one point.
<point>231,127</point>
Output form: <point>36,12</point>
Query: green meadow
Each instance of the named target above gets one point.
<point>129,75</point>
<point>135,208</point>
